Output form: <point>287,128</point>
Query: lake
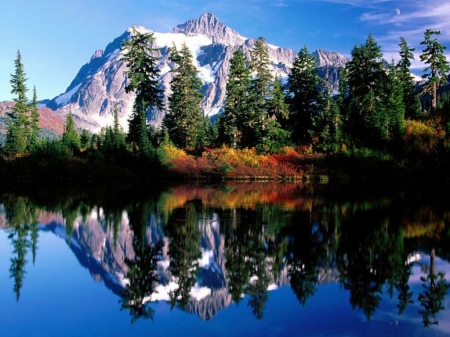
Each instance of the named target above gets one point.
<point>236,259</point>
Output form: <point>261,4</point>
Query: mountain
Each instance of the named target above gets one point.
<point>99,84</point>
<point>51,123</point>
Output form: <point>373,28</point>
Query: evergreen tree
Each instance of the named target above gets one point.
<point>366,75</point>
<point>260,90</point>
<point>117,133</point>
<point>85,138</point>
<point>394,103</point>
<point>330,122</point>
<point>34,122</point>
<point>139,57</point>
<point>70,137</point>
<point>304,96</point>
<point>405,78</point>
<point>184,122</point>
<point>343,95</point>
<point>17,133</point>
<point>278,114</point>
<point>438,67</point>
<point>237,117</point>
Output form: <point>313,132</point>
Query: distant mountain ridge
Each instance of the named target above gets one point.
<point>100,83</point>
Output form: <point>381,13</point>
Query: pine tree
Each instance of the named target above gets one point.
<point>238,113</point>
<point>260,67</point>
<point>70,137</point>
<point>394,103</point>
<point>366,75</point>
<point>139,56</point>
<point>438,67</point>
<point>277,113</point>
<point>304,96</point>
<point>330,121</point>
<point>17,133</point>
<point>85,139</point>
<point>184,121</point>
<point>406,79</point>
<point>34,123</point>
<point>117,134</point>
<point>342,99</point>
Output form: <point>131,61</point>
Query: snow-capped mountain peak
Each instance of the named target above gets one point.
<point>211,27</point>
<point>100,84</point>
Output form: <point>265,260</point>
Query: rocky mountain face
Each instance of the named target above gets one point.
<point>50,122</point>
<point>100,84</point>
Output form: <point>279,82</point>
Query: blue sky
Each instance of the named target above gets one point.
<point>56,37</point>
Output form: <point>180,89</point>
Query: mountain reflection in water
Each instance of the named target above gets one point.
<point>202,248</point>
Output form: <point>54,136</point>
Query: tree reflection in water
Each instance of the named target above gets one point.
<point>184,250</point>
<point>21,220</point>
<point>142,279</point>
<point>272,235</point>
<point>142,276</point>
<point>435,287</point>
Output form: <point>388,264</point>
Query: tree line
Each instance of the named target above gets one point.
<point>376,99</point>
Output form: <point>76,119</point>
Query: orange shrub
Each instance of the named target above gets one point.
<point>422,137</point>
<point>230,162</point>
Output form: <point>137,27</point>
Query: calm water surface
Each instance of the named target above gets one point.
<point>229,260</point>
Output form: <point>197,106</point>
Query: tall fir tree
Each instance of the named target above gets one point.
<point>234,122</point>
<point>395,103</point>
<point>366,75</point>
<point>304,96</point>
<point>330,121</point>
<point>34,123</point>
<point>18,124</point>
<point>184,121</point>
<point>438,68</point>
<point>117,133</point>
<point>257,134</point>
<point>141,60</point>
<point>406,79</point>
<point>342,99</point>
<point>277,115</point>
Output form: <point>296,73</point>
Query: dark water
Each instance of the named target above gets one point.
<point>228,260</point>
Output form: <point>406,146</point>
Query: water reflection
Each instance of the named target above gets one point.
<point>142,276</point>
<point>203,248</point>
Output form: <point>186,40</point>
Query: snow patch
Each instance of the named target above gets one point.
<point>94,214</point>
<point>205,74</point>
<point>272,287</point>
<point>194,44</point>
<point>103,121</point>
<point>164,70</point>
<point>199,293</point>
<point>206,259</point>
<point>125,219</point>
<point>139,29</point>
<point>210,113</point>
<point>64,98</point>
<point>162,292</point>
<point>416,78</point>
<point>164,264</point>
<point>113,55</point>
